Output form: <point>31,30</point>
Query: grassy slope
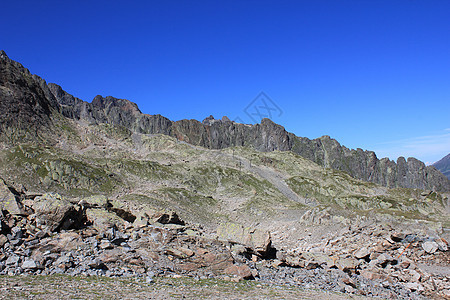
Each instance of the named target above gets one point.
<point>204,186</point>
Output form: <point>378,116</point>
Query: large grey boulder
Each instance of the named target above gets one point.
<point>57,213</point>
<point>9,201</point>
<point>259,241</point>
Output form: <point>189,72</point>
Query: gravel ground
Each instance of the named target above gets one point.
<point>67,287</point>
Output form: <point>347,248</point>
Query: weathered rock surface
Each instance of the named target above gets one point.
<point>23,102</point>
<point>8,200</point>
<point>257,240</point>
<point>430,247</point>
<point>57,213</point>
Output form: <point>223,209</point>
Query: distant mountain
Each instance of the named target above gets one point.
<point>31,108</point>
<point>444,165</point>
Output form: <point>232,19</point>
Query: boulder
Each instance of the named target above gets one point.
<point>29,265</point>
<point>96,263</point>
<point>347,264</point>
<point>442,245</point>
<point>430,247</point>
<point>65,241</point>
<point>179,252</point>
<point>103,220</point>
<point>168,218</point>
<point>257,240</point>
<point>105,244</point>
<point>362,253</point>
<point>12,260</point>
<point>242,271</point>
<point>110,256</point>
<point>415,276</point>
<point>316,259</point>
<point>414,286</point>
<point>57,213</point>
<point>294,261</point>
<point>3,240</point>
<point>9,201</point>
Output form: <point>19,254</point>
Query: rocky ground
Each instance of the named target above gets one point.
<point>61,286</point>
<point>49,235</point>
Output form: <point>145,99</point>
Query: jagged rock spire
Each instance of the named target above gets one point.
<point>3,54</point>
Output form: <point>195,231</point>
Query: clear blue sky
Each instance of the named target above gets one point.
<point>372,74</point>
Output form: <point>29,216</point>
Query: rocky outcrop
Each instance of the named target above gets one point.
<point>257,241</point>
<point>365,165</point>
<point>8,200</point>
<point>27,99</point>
<point>56,213</point>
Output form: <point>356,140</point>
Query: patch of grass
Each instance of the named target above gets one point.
<point>58,173</point>
<point>145,169</point>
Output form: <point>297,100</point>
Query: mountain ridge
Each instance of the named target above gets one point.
<point>443,165</point>
<point>211,133</point>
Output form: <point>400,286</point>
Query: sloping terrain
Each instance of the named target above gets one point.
<point>443,165</point>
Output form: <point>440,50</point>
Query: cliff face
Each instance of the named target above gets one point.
<point>25,108</point>
<point>27,99</point>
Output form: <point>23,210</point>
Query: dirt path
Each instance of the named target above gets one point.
<point>274,177</point>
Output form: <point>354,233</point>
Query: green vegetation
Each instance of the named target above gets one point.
<point>159,172</point>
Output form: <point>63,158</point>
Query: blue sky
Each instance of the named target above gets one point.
<point>372,74</point>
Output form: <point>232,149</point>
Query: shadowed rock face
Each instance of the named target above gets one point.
<point>24,107</point>
<point>27,99</point>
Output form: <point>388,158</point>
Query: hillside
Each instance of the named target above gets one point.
<point>443,165</point>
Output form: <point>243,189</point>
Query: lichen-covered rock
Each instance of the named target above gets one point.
<point>102,220</point>
<point>258,240</point>
<point>9,201</point>
<point>57,213</point>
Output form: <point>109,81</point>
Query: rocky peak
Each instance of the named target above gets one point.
<point>110,103</point>
<point>3,54</point>
<point>208,120</point>
<point>23,102</point>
